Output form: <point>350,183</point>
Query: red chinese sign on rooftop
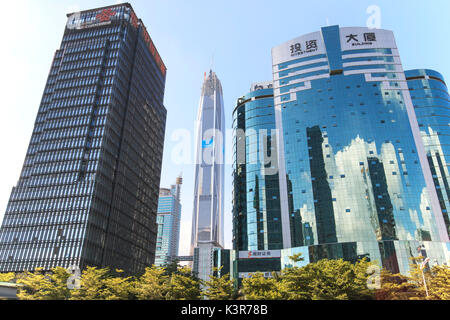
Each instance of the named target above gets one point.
<point>154,52</point>
<point>105,15</point>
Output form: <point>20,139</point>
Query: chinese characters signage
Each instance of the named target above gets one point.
<point>153,51</point>
<point>300,48</point>
<point>243,275</point>
<point>133,19</point>
<point>366,38</point>
<point>261,86</point>
<point>102,18</point>
<point>260,254</point>
<point>105,15</point>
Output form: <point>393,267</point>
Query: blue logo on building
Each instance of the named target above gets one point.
<point>207,145</point>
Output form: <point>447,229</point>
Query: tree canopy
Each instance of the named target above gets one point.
<point>322,280</point>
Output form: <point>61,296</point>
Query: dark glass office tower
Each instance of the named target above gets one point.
<point>88,191</point>
<point>431,101</point>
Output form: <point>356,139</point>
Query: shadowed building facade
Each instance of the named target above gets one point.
<point>88,191</point>
<point>431,101</point>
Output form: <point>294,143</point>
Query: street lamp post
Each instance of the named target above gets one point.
<point>422,266</point>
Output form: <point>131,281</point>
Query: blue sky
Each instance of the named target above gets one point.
<point>233,37</point>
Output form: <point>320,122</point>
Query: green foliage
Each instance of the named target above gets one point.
<point>400,287</point>
<point>323,280</point>
<point>439,283</point>
<point>119,288</point>
<point>395,287</point>
<point>326,280</point>
<point>41,286</point>
<point>91,284</point>
<point>259,288</point>
<point>219,288</point>
<point>7,277</point>
<point>153,284</point>
<point>100,284</point>
<point>184,285</point>
<point>171,268</point>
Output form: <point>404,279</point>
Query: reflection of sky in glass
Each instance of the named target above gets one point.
<point>431,104</point>
<point>352,166</point>
<point>358,121</point>
<point>262,227</point>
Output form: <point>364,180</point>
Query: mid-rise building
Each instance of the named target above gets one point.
<point>88,191</point>
<point>168,220</point>
<point>207,218</point>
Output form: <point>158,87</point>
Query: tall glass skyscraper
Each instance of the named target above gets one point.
<point>351,155</point>
<point>88,191</point>
<point>431,103</point>
<point>168,220</point>
<point>354,178</point>
<point>207,218</point>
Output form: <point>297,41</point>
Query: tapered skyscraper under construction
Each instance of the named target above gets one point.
<point>207,219</point>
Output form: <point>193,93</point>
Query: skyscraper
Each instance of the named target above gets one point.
<point>207,218</point>
<point>431,101</point>
<point>351,153</point>
<point>256,194</point>
<point>354,178</point>
<point>88,191</point>
<point>168,220</point>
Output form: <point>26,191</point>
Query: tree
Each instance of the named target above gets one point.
<point>41,286</point>
<point>327,280</point>
<point>184,285</point>
<point>395,287</point>
<point>171,268</point>
<point>439,284</point>
<point>7,277</point>
<point>92,284</point>
<point>257,287</point>
<point>153,284</point>
<point>401,287</point>
<point>118,287</point>
<point>219,288</point>
<point>416,278</point>
<point>295,283</point>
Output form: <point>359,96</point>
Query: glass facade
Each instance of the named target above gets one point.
<point>222,260</point>
<point>431,101</point>
<point>353,163</point>
<point>168,220</point>
<point>88,191</point>
<point>256,196</point>
<point>355,142</point>
<point>207,217</point>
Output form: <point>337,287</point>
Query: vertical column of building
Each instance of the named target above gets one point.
<point>207,220</point>
<point>131,228</point>
<point>431,101</point>
<point>168,220</point>
<point>257,225</point>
